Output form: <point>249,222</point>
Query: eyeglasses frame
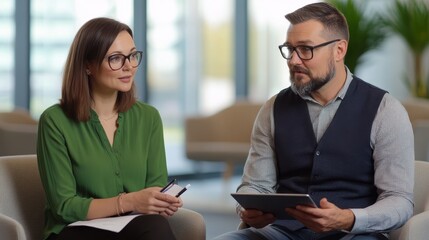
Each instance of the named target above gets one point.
<point>125,58</point>
<point>309,47</point>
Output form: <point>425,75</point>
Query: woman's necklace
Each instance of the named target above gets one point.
<point>108,118</point>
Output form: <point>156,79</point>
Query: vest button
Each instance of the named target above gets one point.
<point>317,153</point>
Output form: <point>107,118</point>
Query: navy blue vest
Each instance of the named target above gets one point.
<point>339,167</point>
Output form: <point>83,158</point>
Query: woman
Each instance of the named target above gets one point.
<point>100,152</point>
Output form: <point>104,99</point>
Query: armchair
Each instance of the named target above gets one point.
<point>18,133</point>
<point>421,139</point>
<point>22,201</point>
<point>417,109</point>
<point>223,136</point>
<point>417,227</point>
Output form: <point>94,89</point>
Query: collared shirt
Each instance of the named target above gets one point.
<point>77,162</point>
<point>392,142</point>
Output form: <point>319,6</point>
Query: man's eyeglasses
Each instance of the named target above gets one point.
<point>117,61</point>
<point>304,52</point>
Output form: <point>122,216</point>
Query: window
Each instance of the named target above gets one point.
<point>7,26</point>
<point>190,55</point>
<point>267,29</point>
<point>189,65</point>
<point>217,83</point>
<point>165,58</point>
<point>53,27</point>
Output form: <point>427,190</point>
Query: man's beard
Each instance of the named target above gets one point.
<point>314,84</point>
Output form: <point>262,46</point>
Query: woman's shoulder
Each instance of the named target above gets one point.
<point>143,108</point>
<point>55,111</point>
<point>54,116</point>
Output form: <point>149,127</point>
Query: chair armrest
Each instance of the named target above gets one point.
<point>218,151</point>
<point>200,128</point>
<point>242,225</point>
<point>188,225</point>
<point>17,139</point>
<point>11,229</point>
<point>415,228</point>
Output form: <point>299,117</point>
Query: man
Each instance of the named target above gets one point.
<point>343,141</point>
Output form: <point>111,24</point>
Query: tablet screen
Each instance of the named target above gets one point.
<point>273,203</point>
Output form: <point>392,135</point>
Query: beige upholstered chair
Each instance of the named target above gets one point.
<point>22,203</point>
<point>421,139</point>
<point>223,136</point>
<point>18,133</point>
<point>418,109</point>
<point>417,228</point>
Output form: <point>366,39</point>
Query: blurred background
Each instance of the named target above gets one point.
<point>200,56</point>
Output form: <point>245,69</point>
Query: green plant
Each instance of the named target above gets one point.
<point>410,20</point>
<point>366,32</point>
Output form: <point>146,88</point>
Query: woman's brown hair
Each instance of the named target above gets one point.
<point>90,45</point>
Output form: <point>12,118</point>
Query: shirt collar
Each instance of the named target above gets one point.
<point>343,91</point>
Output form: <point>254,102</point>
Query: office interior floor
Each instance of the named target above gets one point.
<point>209,193</point>
<point>211,198</point>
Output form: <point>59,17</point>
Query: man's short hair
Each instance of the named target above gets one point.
<point>332,19</point>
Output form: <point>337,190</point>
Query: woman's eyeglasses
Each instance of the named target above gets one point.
<point>117,61</point>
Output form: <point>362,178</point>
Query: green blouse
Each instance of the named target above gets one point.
<point>77,162</point>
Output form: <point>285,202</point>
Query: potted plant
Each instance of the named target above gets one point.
<point>366,32</point>
<point>410,20</point>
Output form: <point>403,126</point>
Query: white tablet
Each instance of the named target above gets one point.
<point>273,203</point>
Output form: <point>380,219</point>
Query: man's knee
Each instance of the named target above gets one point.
<point>371,236</point>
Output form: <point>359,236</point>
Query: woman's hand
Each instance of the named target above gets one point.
<point>173,208</point>
<point>152,201</point>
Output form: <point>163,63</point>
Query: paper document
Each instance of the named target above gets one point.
<point>114,224</point>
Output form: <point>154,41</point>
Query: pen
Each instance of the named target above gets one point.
<point>168,185</point>
<point>183,190</point>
